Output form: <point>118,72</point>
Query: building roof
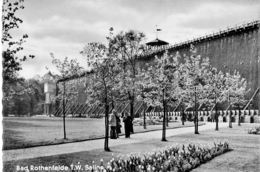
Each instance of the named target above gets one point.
<point>157,42</point>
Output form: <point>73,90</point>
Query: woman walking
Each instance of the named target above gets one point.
<point>118,125</point>
<point>112,122</point>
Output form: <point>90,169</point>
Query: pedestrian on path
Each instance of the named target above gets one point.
<point>128,122</point>
<point>112,122</point>
<point>131,126</point>
<point>118,125</point>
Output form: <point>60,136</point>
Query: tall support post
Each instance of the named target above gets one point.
<point>216,113</point>
<point>239,116</point>
<point>56,94</point>
<point>196,113</point>
<point>144,115</point>
<point>132,112</point>
<point>230,116</point>
<point>106,146</point>
<point>167,117</point>
<point>164,118</point>
<point>182,116</point>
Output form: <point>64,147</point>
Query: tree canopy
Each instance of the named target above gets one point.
<point>11,47</point>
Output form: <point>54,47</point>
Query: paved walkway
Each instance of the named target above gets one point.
<point>42,151</point>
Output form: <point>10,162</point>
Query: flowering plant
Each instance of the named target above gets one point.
<point>255,130</point>
<point>172,158</point>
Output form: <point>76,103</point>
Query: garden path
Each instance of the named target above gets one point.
<point>42,151</point>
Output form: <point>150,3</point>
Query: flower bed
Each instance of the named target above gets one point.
<point>255,130</point>
<point>173,159</point>
<point>150,121</point>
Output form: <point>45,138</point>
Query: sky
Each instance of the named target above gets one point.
<point>64,27</point>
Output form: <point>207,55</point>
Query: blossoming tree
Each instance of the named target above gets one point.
<point>100,87</point>
<point>68,92</point>
<point>216,91</point>
<point>194,72</point>
<point>235,91</point>
<point>127,47</point>
<point>161,79</point>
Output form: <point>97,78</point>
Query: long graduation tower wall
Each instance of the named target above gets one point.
<point>233,49</point>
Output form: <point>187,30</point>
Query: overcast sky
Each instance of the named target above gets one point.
<point>63,27</point>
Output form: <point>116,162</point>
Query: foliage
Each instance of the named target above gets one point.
<point>215,90</point>
<point>24,98</point>
<point>161,79</point>
<point>67,68</point>
<point>215,87</point>
<point>68,92</point>
<point>100,88</point>
<point>169,159</point>
<point>161,82</point>
<point>11,47</point>
<point>194,73</point>
<point>236,90</point>
<point>127,47</point>
<point>193,82</point>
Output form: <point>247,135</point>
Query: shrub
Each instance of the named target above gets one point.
<point>151,121</point>
<point>255,130</point>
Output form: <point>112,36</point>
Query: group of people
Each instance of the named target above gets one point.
<point>115,124</point>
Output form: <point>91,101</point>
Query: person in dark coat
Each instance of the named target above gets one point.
<point>118,125</point>
<point>128,122</point>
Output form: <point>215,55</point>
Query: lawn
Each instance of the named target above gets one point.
<point>245,154</point>
<point>28,131</point>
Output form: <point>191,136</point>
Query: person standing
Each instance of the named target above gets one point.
<point>118,125</point>
<point>112,122</point>
<point>128,122</point>
<point>131,125</point>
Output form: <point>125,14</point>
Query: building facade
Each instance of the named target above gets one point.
<point>233,49</point>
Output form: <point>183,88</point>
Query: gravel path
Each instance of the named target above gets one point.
<point>42,151</point>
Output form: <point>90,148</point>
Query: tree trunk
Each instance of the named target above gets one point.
<point>230,120</point>
<point>63,110</point>
<point>167,118</point>
<point>182,117</point>
<point>106,147</point>
<point>239,117</point>
<point>230,116</point>
<point>216,114</point>
<point>132,111</point>
<point>196,115</point>
<point>57,102</point>
<point>144,116</point>
<point>164,120</point>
